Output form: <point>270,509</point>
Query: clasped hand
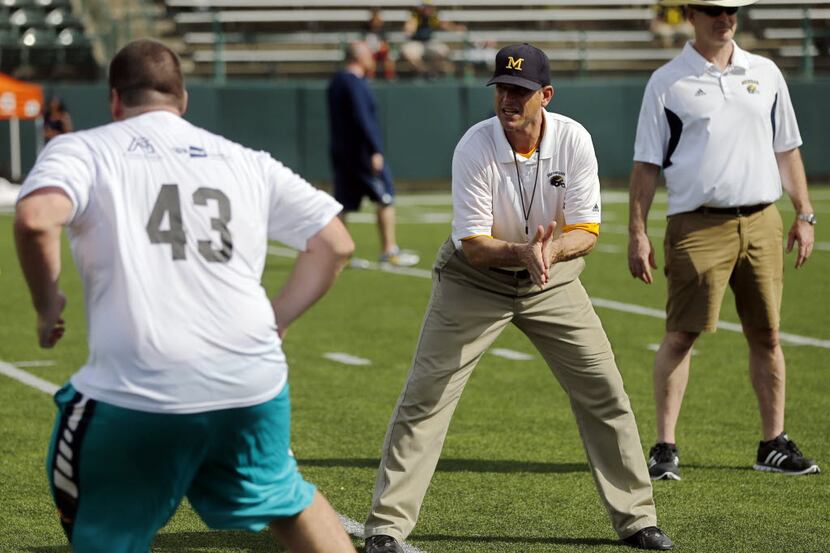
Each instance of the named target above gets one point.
<point>538,254</point>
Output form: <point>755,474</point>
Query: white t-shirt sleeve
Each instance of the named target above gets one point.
<point>472,197</point>
<point>65,163</point>
<point>652,128</point>
<point>786,135</point>
<point>297,210</point>
<point>582,198</point>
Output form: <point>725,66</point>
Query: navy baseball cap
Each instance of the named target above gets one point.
<point>521,65</point>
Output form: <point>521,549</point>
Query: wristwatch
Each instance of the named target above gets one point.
<point>807,218</point>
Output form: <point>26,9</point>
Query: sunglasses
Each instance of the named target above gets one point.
<point>715,11</point>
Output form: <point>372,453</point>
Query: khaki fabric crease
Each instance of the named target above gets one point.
<point>468,309</point>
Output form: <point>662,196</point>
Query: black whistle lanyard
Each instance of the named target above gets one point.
<point>526,213</point>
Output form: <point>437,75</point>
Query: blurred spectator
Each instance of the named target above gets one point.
<point>670,26</point>
<point>56,119</point>
<point>427,55</point>
<point>480,56</point>
<point>375,38</point>
<point>356,148</point>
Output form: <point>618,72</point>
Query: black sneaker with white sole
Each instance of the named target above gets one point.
<point>382,544</point>
<point>782,455</point>
<point>663,462</point>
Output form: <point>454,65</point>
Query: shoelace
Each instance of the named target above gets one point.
<point>663,453</point>
<point>792,448</point>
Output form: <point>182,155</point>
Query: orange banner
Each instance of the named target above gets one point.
<point>19,99</point>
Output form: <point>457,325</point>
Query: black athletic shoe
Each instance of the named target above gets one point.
<point>663,462</point>
<point>782,455</point>
<point>382,544</point>
<point>649,538</point>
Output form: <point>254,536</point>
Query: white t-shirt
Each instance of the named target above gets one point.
<point>485,184</point>
<point>716,133</point>
<point>169,233</point>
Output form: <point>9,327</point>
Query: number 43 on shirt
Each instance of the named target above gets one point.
<point>168,202</point>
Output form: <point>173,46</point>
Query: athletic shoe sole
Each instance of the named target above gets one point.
<point>665,476</point>
<point>809,470</point>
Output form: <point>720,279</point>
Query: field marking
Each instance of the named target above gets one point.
<point>19,364</point>
<point>793,339</point>
<point>511,354</point>
<point>656,347</point>
<point>28,379</point>
<point>352,527</point>
<point>430,218</point>
<point>608,248</point>
<point>346,359</point>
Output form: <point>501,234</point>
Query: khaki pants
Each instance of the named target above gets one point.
<point>468,309</point>
<point>707,252</point>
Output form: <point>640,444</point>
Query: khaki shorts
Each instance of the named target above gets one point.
<point>705,252</point>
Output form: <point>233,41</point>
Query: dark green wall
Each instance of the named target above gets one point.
<point>421,122</point>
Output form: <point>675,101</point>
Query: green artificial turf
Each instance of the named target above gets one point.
<point>513,476</point>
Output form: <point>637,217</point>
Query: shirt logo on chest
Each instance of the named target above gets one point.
<point>700,92</point>
<point>556,179</point>
<point>751,86</point>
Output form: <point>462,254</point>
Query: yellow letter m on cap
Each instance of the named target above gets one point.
<point>514,64</point>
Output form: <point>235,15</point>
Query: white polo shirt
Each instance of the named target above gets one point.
<point>715,133</point>
<point>486,187</point>
<point>170,232</point>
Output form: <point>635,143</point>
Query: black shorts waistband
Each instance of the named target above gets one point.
<point>515,274</point>
<point>736,211</point>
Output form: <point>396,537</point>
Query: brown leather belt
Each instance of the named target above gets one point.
<point>736,211</point>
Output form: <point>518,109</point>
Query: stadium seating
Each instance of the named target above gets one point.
<point>306,37</point>
<point>61,18</point>
<point>42,39</point>
<point>9,51</point>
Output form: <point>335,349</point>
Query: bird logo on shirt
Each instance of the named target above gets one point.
<point>751,86</point>
<point>557,179</point>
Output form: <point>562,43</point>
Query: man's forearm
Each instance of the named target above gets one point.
<point>39,253</point>
<point>38,223</point>
<point>794,179</point>
<point>310,279</point>
<point>572,244</point>
<point>642,186</point>
<point>483,251</point>
<point>314,273</point>
<point>492,252</point>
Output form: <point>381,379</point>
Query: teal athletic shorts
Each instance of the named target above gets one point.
<point>118,475</point>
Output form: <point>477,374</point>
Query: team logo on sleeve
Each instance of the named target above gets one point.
<point>556,179</point>
<point>751,86</point>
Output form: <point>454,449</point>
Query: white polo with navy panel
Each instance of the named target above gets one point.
<point>715,132</point>
<point>486,186</point>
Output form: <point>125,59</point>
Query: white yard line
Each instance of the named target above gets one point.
<point>33,363</point>
<point>28,379</point>
<point>352,527</point>
<point>786,337</point>
<point>346,359</point>
<point>511,354</point>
